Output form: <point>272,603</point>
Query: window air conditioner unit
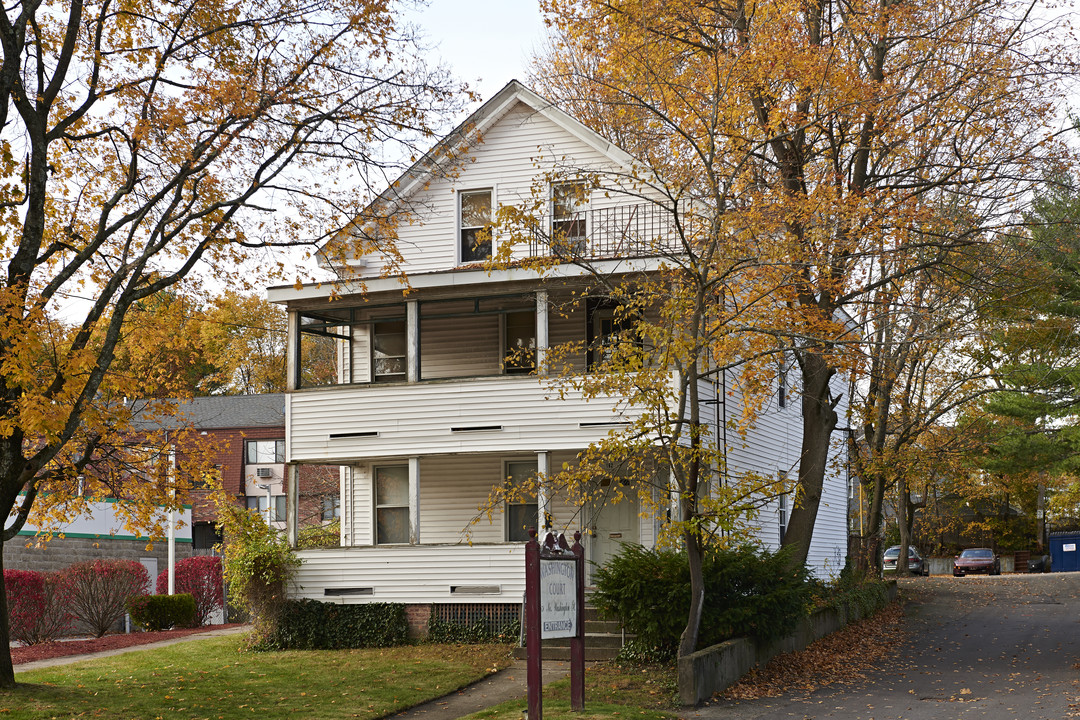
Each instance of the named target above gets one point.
<point>264,472</point>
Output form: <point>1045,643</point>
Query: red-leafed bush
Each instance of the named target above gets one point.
<point>97,590</point>
<point>37,610</point>
<point>199,576</point>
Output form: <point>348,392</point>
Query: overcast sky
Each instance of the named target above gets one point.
<point>485,44</point>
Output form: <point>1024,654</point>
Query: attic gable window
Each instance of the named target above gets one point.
<point>474,221</point>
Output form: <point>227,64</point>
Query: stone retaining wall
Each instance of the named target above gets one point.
<point>713,669</point>
<point>28,553</point>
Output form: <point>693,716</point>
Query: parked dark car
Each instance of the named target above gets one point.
<point>976,560</point>
<point>1039,564</point>
<point>915,563</point>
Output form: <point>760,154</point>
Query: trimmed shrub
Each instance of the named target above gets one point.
<point>37,610</point>
<point>314,625</point>
<point>200,577</point>
<point>747,592</point>
<point>97,590</point>
<point>162,612</point>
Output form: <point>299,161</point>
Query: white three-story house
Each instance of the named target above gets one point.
<point>435,396</point>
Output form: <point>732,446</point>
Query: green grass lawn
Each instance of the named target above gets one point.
<point>213,679</point>
<point>611,691</point>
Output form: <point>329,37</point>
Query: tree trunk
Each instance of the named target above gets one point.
<point>819,421</point>
<point>904,516</point>
<point>689,638</point>
<point>7,670</point>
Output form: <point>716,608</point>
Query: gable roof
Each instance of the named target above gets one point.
<point>221,412</point>
<point>458,140</point>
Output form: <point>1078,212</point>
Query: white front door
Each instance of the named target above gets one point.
<point>611,524</point>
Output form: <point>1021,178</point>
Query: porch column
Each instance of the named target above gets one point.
<point>414,501</point>
<point>292,499</point>
<point>412,341</point>
<point>543,500</point>
<point>292,345</point>
<point>541,332</point>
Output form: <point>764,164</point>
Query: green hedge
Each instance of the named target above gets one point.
<point>442,631</point>
<point>314,625</point>
<point>747,592</point>
<point>161,612</point>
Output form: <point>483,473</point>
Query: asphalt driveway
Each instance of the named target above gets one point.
<point>1000,647</point>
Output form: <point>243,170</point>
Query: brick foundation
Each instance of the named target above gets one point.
<point>418,617</point>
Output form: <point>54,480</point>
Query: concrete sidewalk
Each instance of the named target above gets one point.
<point>69,659</point>
<point>508,684</point>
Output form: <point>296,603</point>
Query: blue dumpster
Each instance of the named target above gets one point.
<point>1065,551</point>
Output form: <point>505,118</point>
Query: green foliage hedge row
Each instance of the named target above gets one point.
<point>314,625</point>
<point>442,631</point>
<point>868,594</point>
<point>747,592</point>
<point>162,612</point>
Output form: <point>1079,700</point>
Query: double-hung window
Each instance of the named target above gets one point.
<point>390,351</point>
<point>519,356</point>
<point>474,223</point>
<point>392,504</point>
<point>258,503</point>
<point>521,507</point>
<point>265,452</point>
<point>569,217</point>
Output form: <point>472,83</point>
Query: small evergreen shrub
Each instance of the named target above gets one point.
<point>37,610</point>
<point>747,592</point>
<point>97,590</point>
<point>314,625</point>
<point>200,577</point>
<point>163,612</point>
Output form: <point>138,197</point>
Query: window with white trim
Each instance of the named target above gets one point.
<point>390,351</point>
<point>521,506</point>
<point>474,223</point>
<point>392,504</point>
<point>782,514</point>
<point>265,452</point>
<point>258,503</point>
<point>519,333</point>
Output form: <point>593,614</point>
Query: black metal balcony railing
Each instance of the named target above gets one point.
<point>642,230</point>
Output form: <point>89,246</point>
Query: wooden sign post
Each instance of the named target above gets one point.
<point>554,608</point>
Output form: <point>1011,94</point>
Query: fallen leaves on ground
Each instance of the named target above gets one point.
<point>846,656</point>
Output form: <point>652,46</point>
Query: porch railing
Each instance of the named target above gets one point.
<point>641,230</point>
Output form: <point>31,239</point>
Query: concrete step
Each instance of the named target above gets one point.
<point>592,654</point>
<point>600,640</point>
<point>612,627</point>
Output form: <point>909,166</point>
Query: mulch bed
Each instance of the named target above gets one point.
<point>47,651</point>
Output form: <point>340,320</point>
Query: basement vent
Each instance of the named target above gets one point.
<point>475,590</point>
<point>338,592</point>
<point>476,428</point>
<point>264,472</point>
<point>341,436</point>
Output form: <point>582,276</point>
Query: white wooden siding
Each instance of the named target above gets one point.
<point>504,161</point>
<point>412,574</point>
<point>417,419</point>
<point>773,445</point>
<point>460,347</point>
